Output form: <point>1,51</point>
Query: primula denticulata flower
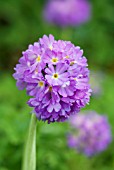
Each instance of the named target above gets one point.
<point>67,12</point>
<point>90,133</point>
<point>55,74</point>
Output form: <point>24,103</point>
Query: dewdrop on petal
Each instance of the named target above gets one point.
<point>55,75</point>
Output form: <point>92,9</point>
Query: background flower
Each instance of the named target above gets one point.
<point>91,133</point>
<point>67,12</point>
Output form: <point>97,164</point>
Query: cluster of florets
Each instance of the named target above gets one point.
<point>55,74</point>
<point>90,133</point>
<point>67,12</point>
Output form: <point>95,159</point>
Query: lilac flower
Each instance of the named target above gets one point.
<point>67,12</point>
<point>91,133</point>
<point>55,74</point>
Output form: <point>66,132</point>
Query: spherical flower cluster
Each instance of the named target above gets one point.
<point>91,133</point>
<point>67,12</point>
<point>55,74</point>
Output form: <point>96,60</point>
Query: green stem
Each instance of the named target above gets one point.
<point>29,159</point>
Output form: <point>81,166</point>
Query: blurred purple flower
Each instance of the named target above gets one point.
<point>55,74</point>
<point>90,134</point>
<point>67,12</point>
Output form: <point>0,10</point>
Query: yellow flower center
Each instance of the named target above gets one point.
<point>54,60</point>
<point>41,83</point>
<point>67,56</point>
<point>55,76</point>
<point>71,63</point>
<point>50,88</point>
<point>75,79</point>
<point>38,59</point>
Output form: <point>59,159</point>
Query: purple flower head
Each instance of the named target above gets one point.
<point>90,133</point>
<point>67,12</point>
<point>55,74</point>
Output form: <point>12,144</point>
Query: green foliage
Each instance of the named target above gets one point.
<point>21,23</point>
<point>13,122</point>
<point>52,150</point>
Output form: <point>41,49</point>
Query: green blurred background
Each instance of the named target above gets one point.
<point>21,24</point>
